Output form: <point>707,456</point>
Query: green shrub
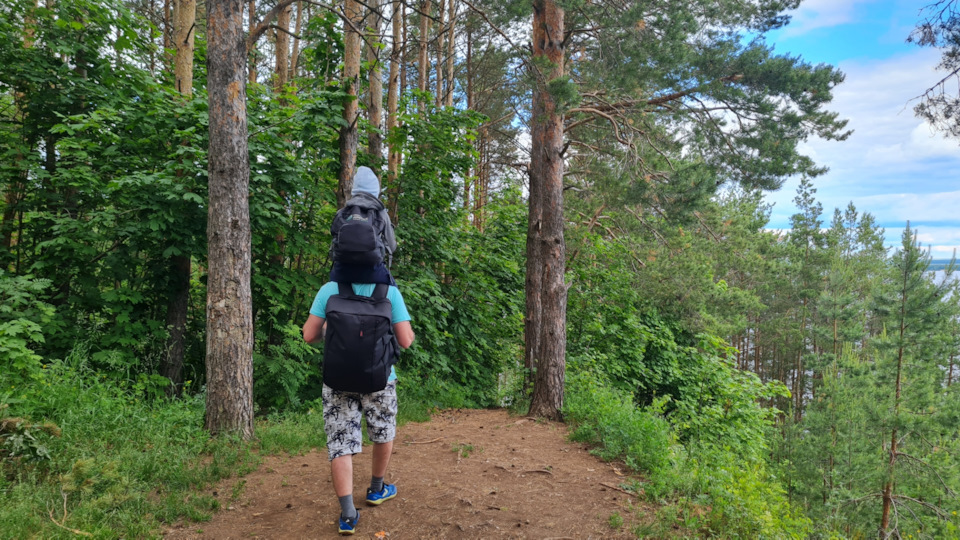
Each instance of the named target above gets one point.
<point>608,419</point>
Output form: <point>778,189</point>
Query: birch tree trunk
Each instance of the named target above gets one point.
<point>546,287</point>
<point>229,311</point>
<point>351,75</point>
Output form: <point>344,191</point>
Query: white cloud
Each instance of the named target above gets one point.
<point>814,14</point>
<point>894,165</point>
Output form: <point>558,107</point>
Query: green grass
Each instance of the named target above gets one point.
<point>124,466</point>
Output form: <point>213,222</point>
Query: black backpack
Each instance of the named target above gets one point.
<point>358,236</point>
<point>360,346</point>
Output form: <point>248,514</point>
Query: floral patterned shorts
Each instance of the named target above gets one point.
<point>342,414</point>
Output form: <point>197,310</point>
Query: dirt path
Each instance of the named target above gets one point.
<point>512,477</point>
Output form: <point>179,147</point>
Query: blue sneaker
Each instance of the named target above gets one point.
<point>349,526</point>
<point>388,492</point>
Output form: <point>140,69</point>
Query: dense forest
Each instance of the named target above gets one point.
<point>578,193</point>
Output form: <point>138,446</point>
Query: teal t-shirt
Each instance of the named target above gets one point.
<point>399,311</point>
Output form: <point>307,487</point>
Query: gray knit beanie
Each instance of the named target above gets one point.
<point>366,182</point>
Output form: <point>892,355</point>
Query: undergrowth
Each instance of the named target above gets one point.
<point>705,489</point>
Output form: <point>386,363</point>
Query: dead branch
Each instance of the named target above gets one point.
<point>64,518</point>
<point>621,490</point>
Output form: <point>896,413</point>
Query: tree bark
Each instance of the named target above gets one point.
<point>403,48</point>
<point>252,53</point>
<point>229,313</point>
<point>545,243</point>
<point>441,28</point>
<point>451,48</point>
<point>423,61</point>
<point>295,55</point>
<point>282,52</point>
<point>351,75</point>
<point>375,96</point>
<point>393,118</point>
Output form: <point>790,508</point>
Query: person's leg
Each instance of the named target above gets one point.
<point>380,409</point>
<point>381,458</point>
<point>342,468</point>
<point>342,415</point>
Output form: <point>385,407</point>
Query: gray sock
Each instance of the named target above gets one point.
<point>347,510</point>
<point>376,484</point>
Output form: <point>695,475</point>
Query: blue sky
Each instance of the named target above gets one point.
<point>894,166</point>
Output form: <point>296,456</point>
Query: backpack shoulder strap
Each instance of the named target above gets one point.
<point>380,291</point>
<point>346,289</point>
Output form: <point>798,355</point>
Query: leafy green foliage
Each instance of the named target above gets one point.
<point>24,320</point>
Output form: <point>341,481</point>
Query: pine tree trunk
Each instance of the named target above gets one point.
<point>477,144</point>
<point>351,75</point>
<point>898,389</point>
<point>229,313</point>
<point>423,61</point>
<point>403,48</point>
<point>295,55</point>
<point>375,101</point>
<point>167,30</point>
<point>184,31</point>
<point>251,23</point>
<point>13,193</point>
<point>451,49</point>
<point>282,53</point>
<point>393,119</point>
<point>438,99</point>
<point>545,233</point>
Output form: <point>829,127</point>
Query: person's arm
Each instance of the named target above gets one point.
<point>313,329</point>
<point>404,333</point>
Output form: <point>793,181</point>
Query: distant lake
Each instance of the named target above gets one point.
<point>939,264</point>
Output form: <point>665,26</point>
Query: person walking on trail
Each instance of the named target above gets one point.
<point>363,238</point>
<point>359,379</point>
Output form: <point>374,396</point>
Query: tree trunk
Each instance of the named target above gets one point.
<point>351,76</point>
<point>251,23</point>
<point>898,389</point>
<point>229,312</point>
<point>282,53</point>
<point>545,241</point>
<point>375,102</point>
<point>13,193</point>
<point>403,48</point>
<point>423,61</point>
<point>476,143</point>
<point>177,310</point>
<point>167,32</point>
<point>295,55</point>
<point>441,28</point>
<point>451,49</point>
<point>184,31</point>
<point>393,118</point>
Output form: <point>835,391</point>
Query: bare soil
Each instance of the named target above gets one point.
<point>464,474</point>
